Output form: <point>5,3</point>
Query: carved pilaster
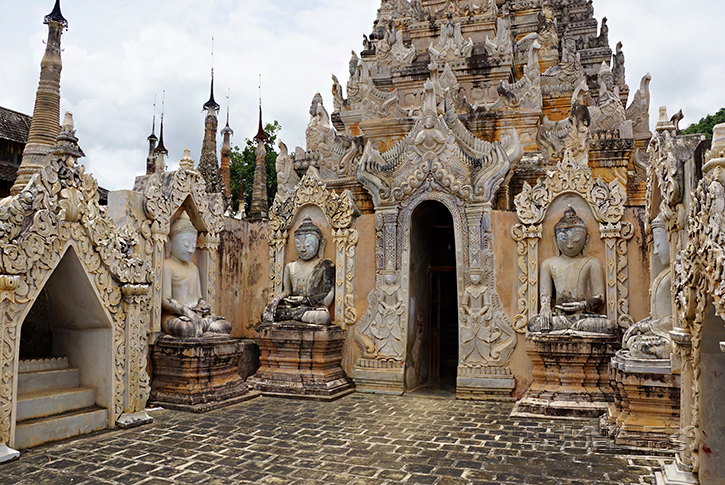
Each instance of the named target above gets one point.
<point>135,305</point>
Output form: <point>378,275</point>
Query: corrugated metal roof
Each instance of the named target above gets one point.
<point>14,126</point>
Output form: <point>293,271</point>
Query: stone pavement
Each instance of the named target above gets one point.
<point>360,439</point>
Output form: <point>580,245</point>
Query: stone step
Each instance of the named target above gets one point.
<point>54,401</point>
<point>44,430</point>
<point>30,382</point>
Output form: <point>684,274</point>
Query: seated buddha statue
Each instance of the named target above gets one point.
<point>650,338</point>
<point>575,283</point>
<point>308,287</point>
<point>184,313</point>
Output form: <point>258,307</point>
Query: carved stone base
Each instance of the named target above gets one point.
<point>197,375</point>
<point>379,376</point>
<point>672,475</point>
<point>646,407</point>
<point>482,383</point>
<point>8,454</point>
<point>132,420</point>
<point>570,376</point>
<point>301,360</point>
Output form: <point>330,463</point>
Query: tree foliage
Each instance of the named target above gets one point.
<point>706,124</point>
<point>243,163</point>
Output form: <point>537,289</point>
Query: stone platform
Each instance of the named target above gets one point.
<point>361,439</point>
<point>198,375</point>
<point>300,360</point>
<point>646,408</point>
<point>570,376</point>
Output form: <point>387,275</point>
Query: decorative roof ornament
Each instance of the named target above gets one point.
<point>160,148</point>
<point>212,104</point>
<point>56,16</point>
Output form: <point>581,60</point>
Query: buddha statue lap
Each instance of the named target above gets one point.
<point>650,338</point>
<point>184,313</point>
<point>576,284</point>
<point>308,287</point>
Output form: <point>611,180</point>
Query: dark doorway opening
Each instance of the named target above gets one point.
<point>435,291</point>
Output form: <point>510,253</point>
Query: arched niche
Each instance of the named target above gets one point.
<point>536,208</point>
<point>336,214</point>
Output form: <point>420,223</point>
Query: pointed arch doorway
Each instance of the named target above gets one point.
<point>433,325</point>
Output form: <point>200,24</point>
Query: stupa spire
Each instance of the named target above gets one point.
<point>160,151</point>
<point>45,126</point>
<point>208,161</point>
<point>150,158</point>
<point>259,207</point>
<point>226,153</point>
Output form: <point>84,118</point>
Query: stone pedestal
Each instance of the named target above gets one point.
<point>483,383</point>
<point>198,375</point>
<point>570,376</point>
<point>646,408</point>
<point>300,360</point>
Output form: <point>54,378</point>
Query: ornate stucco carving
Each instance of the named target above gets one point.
<point>58,210</point>
<point>524,94</point>
<point>607,204</point>
<point>451,43</point>
<point>340,212</point>
<point>437,160</point>
<point>501,45</point>
<point>555,137</point>
<point>698,280</point>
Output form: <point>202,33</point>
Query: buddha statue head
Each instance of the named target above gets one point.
<point>308,240</point>
<point>475,278</point>
<point>570,234</point>
<point>660,239</point>
<point>182,238</point>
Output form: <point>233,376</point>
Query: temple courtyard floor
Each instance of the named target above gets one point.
<point>360,439</point>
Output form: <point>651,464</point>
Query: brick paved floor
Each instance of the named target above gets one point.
<point>360,439</point>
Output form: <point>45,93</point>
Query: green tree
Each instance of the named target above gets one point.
<point>706,124</point>
<point>241,169</point>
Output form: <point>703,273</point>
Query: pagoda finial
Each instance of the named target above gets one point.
<point>227,128</point>
<point>152,136</point>
<point>211,104</point>
<point>261,136</point>
<point>56,16</point>
<point>161,148</point>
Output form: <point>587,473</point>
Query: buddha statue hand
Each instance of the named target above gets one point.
<point>202,308</point>
<point>572,306</point>
<point>545,315</point>
<point>188,323</point>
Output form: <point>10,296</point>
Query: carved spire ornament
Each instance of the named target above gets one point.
<point>46,113</point>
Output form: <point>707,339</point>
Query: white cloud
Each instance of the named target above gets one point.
<point>118,55</point>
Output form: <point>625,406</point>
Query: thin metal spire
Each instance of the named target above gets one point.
<point>153,123</point>
<point>211,104</point>
<point>161,148</point>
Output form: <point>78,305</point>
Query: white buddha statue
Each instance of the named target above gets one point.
<point>575,282</point>
<point>650,338</point>
<point>184,313</point>
<point>308,287</point>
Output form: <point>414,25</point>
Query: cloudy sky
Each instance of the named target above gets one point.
<point>118,55</point>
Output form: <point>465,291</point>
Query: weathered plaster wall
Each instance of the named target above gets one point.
<point>243,274</point>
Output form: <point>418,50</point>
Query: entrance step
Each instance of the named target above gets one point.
<point>30,382</point>
<point>53,401</point>
<point>35,432</point>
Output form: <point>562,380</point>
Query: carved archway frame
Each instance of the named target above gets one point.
<point>340,212</point>
<point>607,204</point>
<point>699,281</point>
<point>165,195</point>
<point>58,209</point>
